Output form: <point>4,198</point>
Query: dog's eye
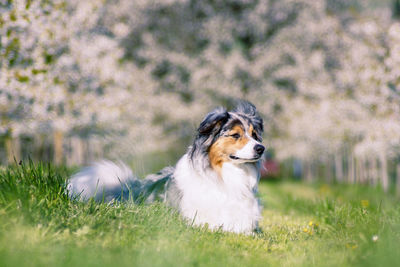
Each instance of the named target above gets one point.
<point>254,135</point>
<point>236,135</point>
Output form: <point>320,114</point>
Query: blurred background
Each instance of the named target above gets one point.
<point>131,80</point>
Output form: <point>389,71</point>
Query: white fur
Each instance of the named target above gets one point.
<point>247,152</point>
<point>228,203</point>
<point>92,181</point>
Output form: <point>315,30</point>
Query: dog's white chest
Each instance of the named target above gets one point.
<point>228,203</point>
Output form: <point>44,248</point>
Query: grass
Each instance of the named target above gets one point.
<point>309,225</point>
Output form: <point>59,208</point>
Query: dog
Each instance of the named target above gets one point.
<point>214,183</point>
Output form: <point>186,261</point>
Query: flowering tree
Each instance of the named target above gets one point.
<point>135,76</point>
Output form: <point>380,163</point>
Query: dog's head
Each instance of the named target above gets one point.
<point>233,136</point>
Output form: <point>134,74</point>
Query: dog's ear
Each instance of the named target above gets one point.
<point>248,109</point>
<point>207,132</point>
<point>213,122</point>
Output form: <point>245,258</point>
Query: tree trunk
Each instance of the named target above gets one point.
<point>351,168</point>
<point>328,170</point>
<point>398,179</point>
<point>363,170</point>
<point>357,171</point>
<point>308,171</point>
<point>13,149</point>
<point>368,170</point>
<point>374,171</point>
<point>96,149</point>
<point>339,166</point>
<point>384,172</point>
<point>58,138</point>
<point>360,173</point>
<point>9,149</point>
<point>75,157</point>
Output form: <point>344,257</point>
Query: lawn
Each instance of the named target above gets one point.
<point>310,225</point>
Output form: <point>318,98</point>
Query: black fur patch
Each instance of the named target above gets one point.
<point>250,113</point>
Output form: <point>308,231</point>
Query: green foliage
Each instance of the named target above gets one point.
<point>36,192</point>
<point>305,225</point>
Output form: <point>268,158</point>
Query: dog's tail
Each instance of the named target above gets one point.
<point>108,181</point>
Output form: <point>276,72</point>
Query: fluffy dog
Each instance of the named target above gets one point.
<point>214,183</point>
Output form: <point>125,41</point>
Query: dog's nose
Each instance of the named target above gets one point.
<point>259,149</point>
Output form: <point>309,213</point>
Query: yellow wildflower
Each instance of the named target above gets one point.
<point>365,203</point>
<point>324,189</point>
<point>351,245</point>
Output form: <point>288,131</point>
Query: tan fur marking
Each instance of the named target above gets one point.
<point>252,132</point>
<point>225,146</point>
<point>251,129</point>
